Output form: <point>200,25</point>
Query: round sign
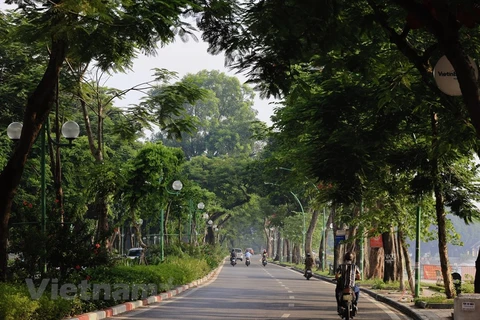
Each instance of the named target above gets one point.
<point>446,77</point>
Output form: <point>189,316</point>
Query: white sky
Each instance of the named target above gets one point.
<point>183,58</point>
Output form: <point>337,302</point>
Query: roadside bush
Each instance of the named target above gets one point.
<point>15,303</point>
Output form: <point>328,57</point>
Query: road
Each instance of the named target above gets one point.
<point>258,292</point>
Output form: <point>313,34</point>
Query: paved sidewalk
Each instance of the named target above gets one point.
<point>404,303</point>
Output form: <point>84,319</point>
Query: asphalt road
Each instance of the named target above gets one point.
<point>258,292</point>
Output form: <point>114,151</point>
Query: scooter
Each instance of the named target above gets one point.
<point>264,262</point>
<point>247,261</point>
<point>308,274</point>
<point>233,261</point>
<point>348,309</point>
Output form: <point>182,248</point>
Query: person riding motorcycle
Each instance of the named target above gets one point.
<point>308,263</point>
<point>233,255</point>
<point>248,255</point>
<point>346,274</point>
<point>264,254</point>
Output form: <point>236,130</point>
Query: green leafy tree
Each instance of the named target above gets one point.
<point>79,30</point>
<point>226,121</point>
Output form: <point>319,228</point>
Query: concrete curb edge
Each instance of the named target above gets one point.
<point>132,305</point>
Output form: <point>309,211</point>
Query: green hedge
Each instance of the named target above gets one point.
<point>16,303</point>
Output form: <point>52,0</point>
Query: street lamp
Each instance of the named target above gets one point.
<point>70,131</point>
<point>177,185</point>
<point>200,206</point>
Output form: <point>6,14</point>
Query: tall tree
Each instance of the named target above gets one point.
<point>226,119</point>
<point>79,30</point>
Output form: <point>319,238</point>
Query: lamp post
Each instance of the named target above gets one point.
<point>200,207</point>
<point>70,131</point>
<point>177,185</point>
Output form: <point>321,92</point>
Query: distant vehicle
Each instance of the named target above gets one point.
<point>239,253</point>
<point>134,253</point>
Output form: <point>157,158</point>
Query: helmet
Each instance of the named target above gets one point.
<point>264,250</point>
<point>349,256</point>
<point>233,250</point>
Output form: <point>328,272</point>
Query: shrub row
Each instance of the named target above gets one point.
<point>16,301</point>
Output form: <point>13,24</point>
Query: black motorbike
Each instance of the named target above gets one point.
<point>264,262</point>
<point>308,274</point>
<point>247,261</point>
<point>233,261</point>
<point>347,304</point>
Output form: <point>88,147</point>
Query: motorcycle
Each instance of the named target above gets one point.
<point>247,261</point>
<point>308,274</point>
<point>347,303</point>
<point>233,261</point>
<point>264,262</point>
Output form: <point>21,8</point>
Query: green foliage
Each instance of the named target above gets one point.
<point>15,303</point>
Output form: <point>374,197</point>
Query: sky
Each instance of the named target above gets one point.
<point>183,58</point>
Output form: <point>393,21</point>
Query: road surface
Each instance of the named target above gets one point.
<point>257,292</point>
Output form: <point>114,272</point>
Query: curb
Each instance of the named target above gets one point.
<point>132,305</point>
<point>399,306</point>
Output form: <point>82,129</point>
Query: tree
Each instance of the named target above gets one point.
<point>226,121</point>
<point>79,30</point>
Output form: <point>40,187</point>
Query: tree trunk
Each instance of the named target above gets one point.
<point>38,107</point>
<point>289,250</point>
<point>477,273</point>
<point>441,215</point>
<point>311,230</point>
<point>390,252</point>
<point>408,264</point>
<point>442,242</point>
<point>210,237</point>
<point>323,242</point>
<point>279,254</point>
<point>400,262</point>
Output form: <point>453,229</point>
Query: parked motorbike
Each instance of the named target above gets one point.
<point>247,261</point>
<point>348,309</point>
<point>233,261</point>
<point>308,274</point>
<point>264,262</point>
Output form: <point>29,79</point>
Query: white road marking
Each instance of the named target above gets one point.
<point>290,305</point>
<point>387,310</point>
<point>290,291</point>
<point>286,315</point>
<point>292,297</point>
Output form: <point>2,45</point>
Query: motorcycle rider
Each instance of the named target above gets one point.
<point>233,255</point>
<point>308,263</point>
<point>346,275</point>
<point>248,255</point>
<point>264,254</point>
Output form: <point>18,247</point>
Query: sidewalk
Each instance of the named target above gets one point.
<point>404,303</point>
<point>400,301</point>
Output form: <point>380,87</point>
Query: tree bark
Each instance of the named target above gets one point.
<point>390,253</point>
<point>38,107</point>
<point>408,264</point>
<point>477,273</point>
<point>323,242</point>
<point>289,250</point>
<point>311,229</point>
